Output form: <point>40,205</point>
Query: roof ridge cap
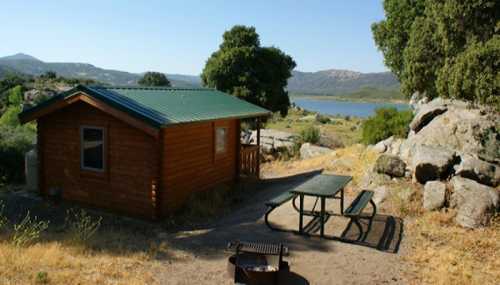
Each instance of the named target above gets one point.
<point>150,88</point>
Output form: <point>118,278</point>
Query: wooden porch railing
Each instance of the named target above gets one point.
<point>249,160</point>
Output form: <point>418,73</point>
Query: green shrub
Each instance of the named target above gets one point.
<point>323,119</point>
<point>310,134</point>
<point>81,226</point>
<point>3,219</point>
<point>28,230</point>
<point>9,117</point>
<point>14,143</point>
<point>42,277</point>
<point>15,96</point>
<point>385,123</point>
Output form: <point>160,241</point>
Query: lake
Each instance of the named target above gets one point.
<point>343,108</point>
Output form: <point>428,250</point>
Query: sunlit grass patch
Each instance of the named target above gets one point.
<point>444,253</point>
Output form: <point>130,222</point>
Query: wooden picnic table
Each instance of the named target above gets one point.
<point>324,186</point>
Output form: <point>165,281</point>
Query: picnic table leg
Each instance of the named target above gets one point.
<point>301,212</point>
<point>342,201</point>
<point>322,217</point>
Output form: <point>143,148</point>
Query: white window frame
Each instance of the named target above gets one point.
<point>104,151</point>
<point>224,150</point>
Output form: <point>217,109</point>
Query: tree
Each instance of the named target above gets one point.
<point>443,48</point>
<point>152,78</point>
<point>49,75</point>
<point>245,69</point>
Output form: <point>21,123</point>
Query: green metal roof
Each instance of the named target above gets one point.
<point>166,106</point>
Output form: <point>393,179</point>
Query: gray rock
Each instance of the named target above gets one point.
<point>313,117</point>
<point>431,163</point>
<point>373,180</point>
<point>379,147</point>
<point>434,195</point>
<point>425,115</point>
<point>461,128</point>
<point>478,170</point>
<point>380,194</point>
<point>308,150</point>
<point>271,140</point>
<point>475,203</point>
<point>391,165</point>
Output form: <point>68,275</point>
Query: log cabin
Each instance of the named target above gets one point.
<point>140,151</point>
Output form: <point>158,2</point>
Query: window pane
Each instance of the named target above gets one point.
<point>93,148</point>
<point>220,140</point>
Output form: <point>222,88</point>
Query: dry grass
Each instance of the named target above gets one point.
<point>65,264</point>
<point>352,160</point>
<point>341,130</point>
<point>443,253</point>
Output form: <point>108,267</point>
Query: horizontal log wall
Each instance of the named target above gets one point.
<point>190,163</point>
<point>132,164</point>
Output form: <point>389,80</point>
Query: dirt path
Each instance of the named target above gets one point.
<point>198,257</point>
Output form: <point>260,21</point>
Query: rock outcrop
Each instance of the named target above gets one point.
<point>308,150</point>
<point>478,170</point>
<point>431,163</point>
<point>425,116</point>
<point>475,203</point>
<point>449,143</point>
<point>434,195</point>
<point>390,165</point>
<point>272,140</point>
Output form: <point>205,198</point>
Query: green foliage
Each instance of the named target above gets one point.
<point>28,230</point>
<point>42,277</point>
<point>152,78</point>
<point>15,96</point>
<point>10,117</point>
<point>15,141</point>
<point>49,75</point>
<point>249,71</point>
<point>474,74</point>
<point>81,226</point>
<point>442,48</point>
<point>323,119</point>
<point>310,134</point>
<point>385,123</point>
<point>391,34</point>
<point>3,218</point>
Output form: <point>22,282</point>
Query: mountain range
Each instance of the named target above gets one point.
<point>325,82</point>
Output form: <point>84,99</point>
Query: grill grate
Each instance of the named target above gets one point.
<point>258,247</point>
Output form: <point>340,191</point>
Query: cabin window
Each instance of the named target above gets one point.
<point>220,139</point>
<point>92,148</point>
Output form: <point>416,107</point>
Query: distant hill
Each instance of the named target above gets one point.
<point>336,81</point>
<point>30,65</point>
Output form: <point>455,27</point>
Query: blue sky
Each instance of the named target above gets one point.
<point>178,36</point>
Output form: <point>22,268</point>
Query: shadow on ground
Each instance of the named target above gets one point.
<point>243,222</point>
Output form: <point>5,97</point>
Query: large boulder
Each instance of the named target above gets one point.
<point>308,150</point>
<point>434,195</point>
<point>390,165</point>
<point>478,170</point>
<point>475,203</point>
<point>272,140</point>
<point>425,114</point>
<point>461,128</point>
<point>431,163</point>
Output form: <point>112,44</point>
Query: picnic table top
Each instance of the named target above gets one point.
<point>323,185</point>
